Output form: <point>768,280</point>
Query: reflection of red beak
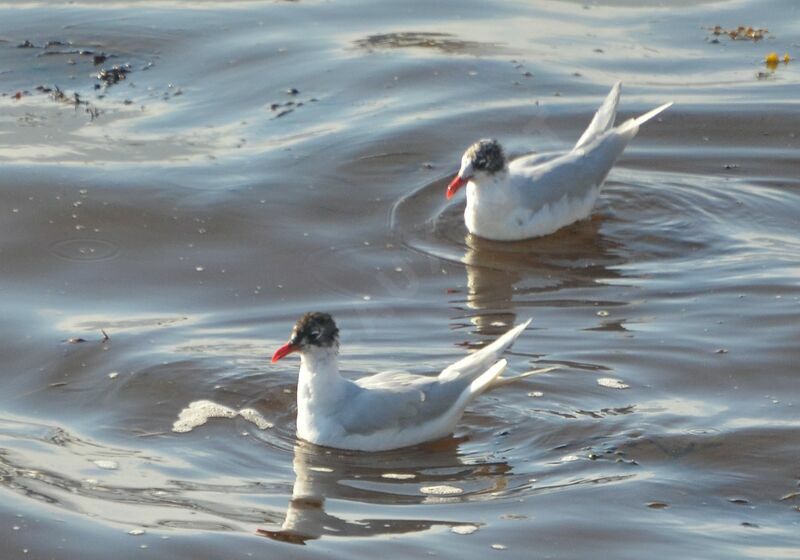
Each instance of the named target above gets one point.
<point>283,351</point>
<point>454,185</point>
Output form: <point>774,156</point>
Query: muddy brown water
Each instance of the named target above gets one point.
<point>259,160</point>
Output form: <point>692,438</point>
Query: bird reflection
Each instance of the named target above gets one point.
<point>369,478</point>
<point>498,273</point>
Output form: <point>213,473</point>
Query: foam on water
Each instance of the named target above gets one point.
<point>200,412</point>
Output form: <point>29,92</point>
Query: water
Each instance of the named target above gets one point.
<point>193,210</point>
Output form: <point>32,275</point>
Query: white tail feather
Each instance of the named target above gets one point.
<point>633,124</point>
<point>476,363</point>
<point>486,379</point>
<point>501,381</point>
<point>603,119</point>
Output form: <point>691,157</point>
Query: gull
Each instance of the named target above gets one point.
<point>388,410</point>
<point>538,194</point>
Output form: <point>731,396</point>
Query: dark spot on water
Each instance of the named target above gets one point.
<point>657,505</point>
<point>739,501</point>
<point>26,44</point>
<point>444,42</point>
<point>114,74</point>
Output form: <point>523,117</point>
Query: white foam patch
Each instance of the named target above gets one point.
<point>399,476</point>
<point>464,529</point>
<point>442,490</point>
<point>256,418</point>
<point>200,412</point>
<point>612,383</point>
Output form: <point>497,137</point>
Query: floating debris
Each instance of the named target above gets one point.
<point>114,74</point>
<point>136,532</point>
<point>75,100</point>
<point>740,33</point>
<point>26,44</point>
<point>107,465</point>
<point>657,505</point>
<point>772,60</point>
<point>499,547</point>
<point>612,383</point>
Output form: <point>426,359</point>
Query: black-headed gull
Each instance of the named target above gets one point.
<point>387,410</point>
<point>538,194</point>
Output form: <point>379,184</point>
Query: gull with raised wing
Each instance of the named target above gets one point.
<point>387,410</point>
<point>538,194</point>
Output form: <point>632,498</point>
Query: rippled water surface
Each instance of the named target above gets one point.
<point>254,160</point>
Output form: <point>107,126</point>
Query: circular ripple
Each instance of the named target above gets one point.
<point>652,215</point>
<point>84,250</point>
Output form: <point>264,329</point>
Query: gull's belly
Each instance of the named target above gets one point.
<point>509,222</point>
<point>329,433</point>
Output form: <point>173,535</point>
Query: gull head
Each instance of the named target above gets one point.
<point>480,162</point>
<point>312,330</point>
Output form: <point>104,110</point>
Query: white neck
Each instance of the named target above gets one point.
<point>489,201</point>
<point>320,389</point>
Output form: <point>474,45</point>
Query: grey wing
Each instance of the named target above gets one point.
<point>394,400</point>
<point>571,174</point>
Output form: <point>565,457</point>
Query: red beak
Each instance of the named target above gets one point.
<point>454,185</point>
<point>283,351</point>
